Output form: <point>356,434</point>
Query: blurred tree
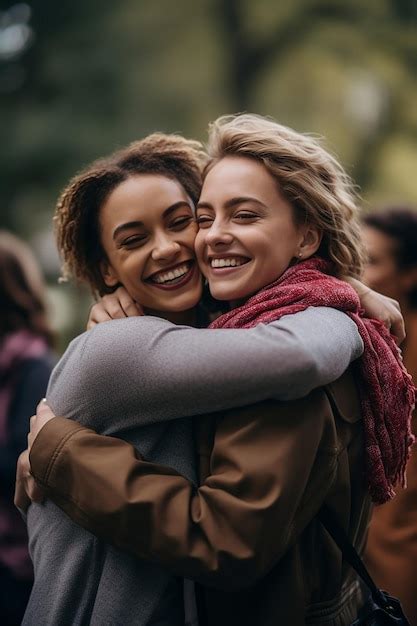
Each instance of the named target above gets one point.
<point>80,77</point>
<point>250,54</point>
<point>385,31</point>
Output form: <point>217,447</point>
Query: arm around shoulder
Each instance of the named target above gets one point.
<point>130,372</point>
<point>265,468</point>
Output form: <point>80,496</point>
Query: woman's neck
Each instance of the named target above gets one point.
<point>188,318</point>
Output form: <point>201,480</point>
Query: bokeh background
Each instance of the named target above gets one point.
<point>79,78</point>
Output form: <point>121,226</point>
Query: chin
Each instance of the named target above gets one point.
<point>227,295</point>
<point>184,305</point>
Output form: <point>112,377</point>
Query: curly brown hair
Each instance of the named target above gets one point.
<point>77,211</point>
<point>310,178</point>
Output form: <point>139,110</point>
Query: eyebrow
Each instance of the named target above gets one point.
<point>138,224</point>
<point>230,204</point>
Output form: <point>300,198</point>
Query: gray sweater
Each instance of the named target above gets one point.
<point>142,379</point>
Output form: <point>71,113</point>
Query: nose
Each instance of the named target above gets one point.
<point>165,249</point>
<point>218,235</point>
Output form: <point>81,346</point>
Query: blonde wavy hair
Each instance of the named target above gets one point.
<point>311,179</point>
<point>78,209</point>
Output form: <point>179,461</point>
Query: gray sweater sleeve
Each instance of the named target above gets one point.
<point>142,370</point>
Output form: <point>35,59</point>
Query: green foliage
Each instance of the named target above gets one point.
<point>98,74</point>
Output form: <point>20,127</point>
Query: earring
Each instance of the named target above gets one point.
<point>300,255</point>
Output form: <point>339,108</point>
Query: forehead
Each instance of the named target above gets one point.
<point>144,187</point>
<point>141,196</point>
<point>239,176</point>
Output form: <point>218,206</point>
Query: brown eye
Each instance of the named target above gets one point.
<point>245,215</point>
<point>181,222</point>
<point>131,242</point>
<point>204,221</point>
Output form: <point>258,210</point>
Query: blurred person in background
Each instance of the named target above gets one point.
<point>25,365</point>
<point>391,239</point>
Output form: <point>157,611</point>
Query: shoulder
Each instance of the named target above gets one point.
<point>313,420</point>
<point>308,421</point>
<point>344,399</point>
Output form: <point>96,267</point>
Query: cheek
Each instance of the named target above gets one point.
<point>190,238</point>
<point>199,244</point>
<point>187,237</point>
<point>276,248</point>
<point>275,256</point>
<point>131,266</point>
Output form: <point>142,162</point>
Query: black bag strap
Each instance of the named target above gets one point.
<point>339,536</point>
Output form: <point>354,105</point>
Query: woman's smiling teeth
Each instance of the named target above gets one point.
<point>170,275</point>
<point>228,262</point>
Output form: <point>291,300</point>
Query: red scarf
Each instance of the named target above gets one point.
<point>386,390</point>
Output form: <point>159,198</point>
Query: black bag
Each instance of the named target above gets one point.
<point>380,609</point>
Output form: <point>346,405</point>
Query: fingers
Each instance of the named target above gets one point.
<point>398,329</point>
<point>117,305</point>
<point>34,492</point>
<point>26,490</point>
<point>114,307</point>
<point>394,320</point>
<point>43,415</point>
<point>128,305</point>
<point>397,324</point>
<point>385,309</point>
<point>30,437</point>
<point>396,305</point>
<point>97,315</point>
<point>21,498</point>
<point>43,408</point>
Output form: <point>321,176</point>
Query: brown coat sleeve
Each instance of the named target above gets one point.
<point>271,466</point>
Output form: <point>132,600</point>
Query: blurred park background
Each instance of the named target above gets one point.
<point>79,78</point>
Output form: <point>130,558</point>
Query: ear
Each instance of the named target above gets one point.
<point>109,275</point>
<point>310,241</point>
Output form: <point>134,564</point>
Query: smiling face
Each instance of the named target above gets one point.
<point>247,233</point>
<point>147,232</point>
